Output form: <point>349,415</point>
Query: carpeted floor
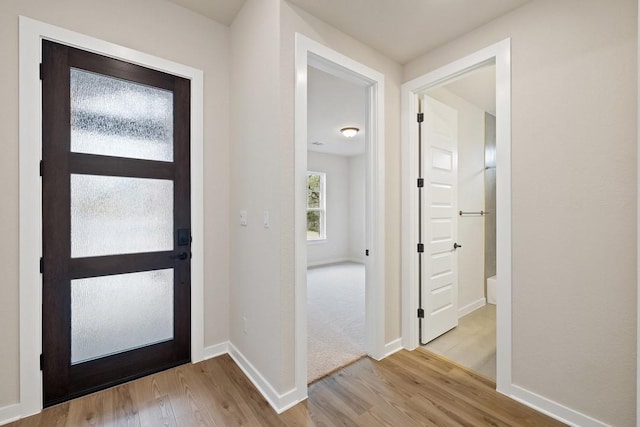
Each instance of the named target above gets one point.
<point>335,317</point>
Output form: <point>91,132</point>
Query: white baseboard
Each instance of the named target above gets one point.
<point>463,311</point>
<point>9,414</point>
<point>327,262</point>
<point>392,347</point>
<point>553,409</point>
<point>216,350</point>
<point>279,402</point>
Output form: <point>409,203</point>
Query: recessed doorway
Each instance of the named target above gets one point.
<point>311,53</point>
<point>336,246</point>
<point>468,336</point>
<point>432,247</point>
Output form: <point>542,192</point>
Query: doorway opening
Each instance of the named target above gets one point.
<point>449,205</point>
<point>464,110</point>
<point>320,58</point>
<point>32,33</point>
<point>116,221</point>
<point>336,249</point>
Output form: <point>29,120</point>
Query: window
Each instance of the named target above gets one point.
<point>316,206</point>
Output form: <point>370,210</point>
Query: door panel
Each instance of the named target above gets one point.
<point>116,281</point>
<point>115,117</point>
<point>106,208</point>
<point>104,308</point>
<point>440,275</point>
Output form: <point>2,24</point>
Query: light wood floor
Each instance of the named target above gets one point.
<point>472,343</point>
<point>407,389</point>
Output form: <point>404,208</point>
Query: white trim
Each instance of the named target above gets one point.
<point>215,350</point>
<point>32,33</point>
<point>392,347</point>
<point>9,414</point>
<point>279,402</point>
<point>307,52</point>
<point>638,230</point>
<point>553,409</point>
<point>324,262</point>
<point>501,53</point>
<point>471,307</point>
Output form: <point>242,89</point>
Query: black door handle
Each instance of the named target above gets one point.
<point>456,246</point>
<point>181,257</point>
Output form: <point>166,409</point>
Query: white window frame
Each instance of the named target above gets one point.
<point>323,206</point>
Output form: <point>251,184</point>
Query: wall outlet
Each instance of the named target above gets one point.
<point>244,325</point>
<point>243,217</point>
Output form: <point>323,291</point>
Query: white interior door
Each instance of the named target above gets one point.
<point>439,219</point>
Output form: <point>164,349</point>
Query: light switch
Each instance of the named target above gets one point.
<point>243,217</point>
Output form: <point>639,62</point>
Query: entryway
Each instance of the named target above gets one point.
<point>116,221</point>
<point>441,285</point>
<point>336,221</point>
<point>311,53</point>
<point>458,145</point>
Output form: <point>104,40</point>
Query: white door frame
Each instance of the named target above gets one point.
<point>309,52</point>
<point>32,33</point>
<point>501,54</point>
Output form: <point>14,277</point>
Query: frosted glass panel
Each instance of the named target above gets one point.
<point>116,215</point>
<point>116,117</point>
<point>112,314</point>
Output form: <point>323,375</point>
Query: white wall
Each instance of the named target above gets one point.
<point>175,34</point>
<point>335,248</point>
<point>574,105</point>
<point>345,209</point>
<point>357,208</point>
<point>470,198</point>
<point>257,162</point>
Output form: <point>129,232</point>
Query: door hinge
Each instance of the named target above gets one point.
<point>41,265</point>
<point>420,117</point>
<point>420,313</point>
<point>420,182</point>
<point>420,247</point>
<point>41,167</point>
<point>41,362</point>
<point>41,71</point>
<point>366,252</point>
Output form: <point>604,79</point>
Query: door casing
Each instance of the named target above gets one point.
<point>500,53</point>
<point>31,34</point>
<point>310,52</point>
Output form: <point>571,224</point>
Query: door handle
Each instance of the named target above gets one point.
<point>181,256</point>
<point>456,246</point>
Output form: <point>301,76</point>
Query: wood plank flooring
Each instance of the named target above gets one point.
<point>407,389</point>
<point>472,343</point>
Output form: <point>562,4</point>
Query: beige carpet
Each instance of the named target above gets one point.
<point>335,317</point>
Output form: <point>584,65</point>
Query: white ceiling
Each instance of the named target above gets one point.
<point>400,29</point>
<point>223,11</point>
<point>332,104</point>
<point>405,29</point>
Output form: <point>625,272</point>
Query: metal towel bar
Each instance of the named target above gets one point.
<point>481,213</point>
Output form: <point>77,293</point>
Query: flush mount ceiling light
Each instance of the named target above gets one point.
<point>350,132</point>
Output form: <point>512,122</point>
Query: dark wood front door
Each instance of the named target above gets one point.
<point>116,221</point>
